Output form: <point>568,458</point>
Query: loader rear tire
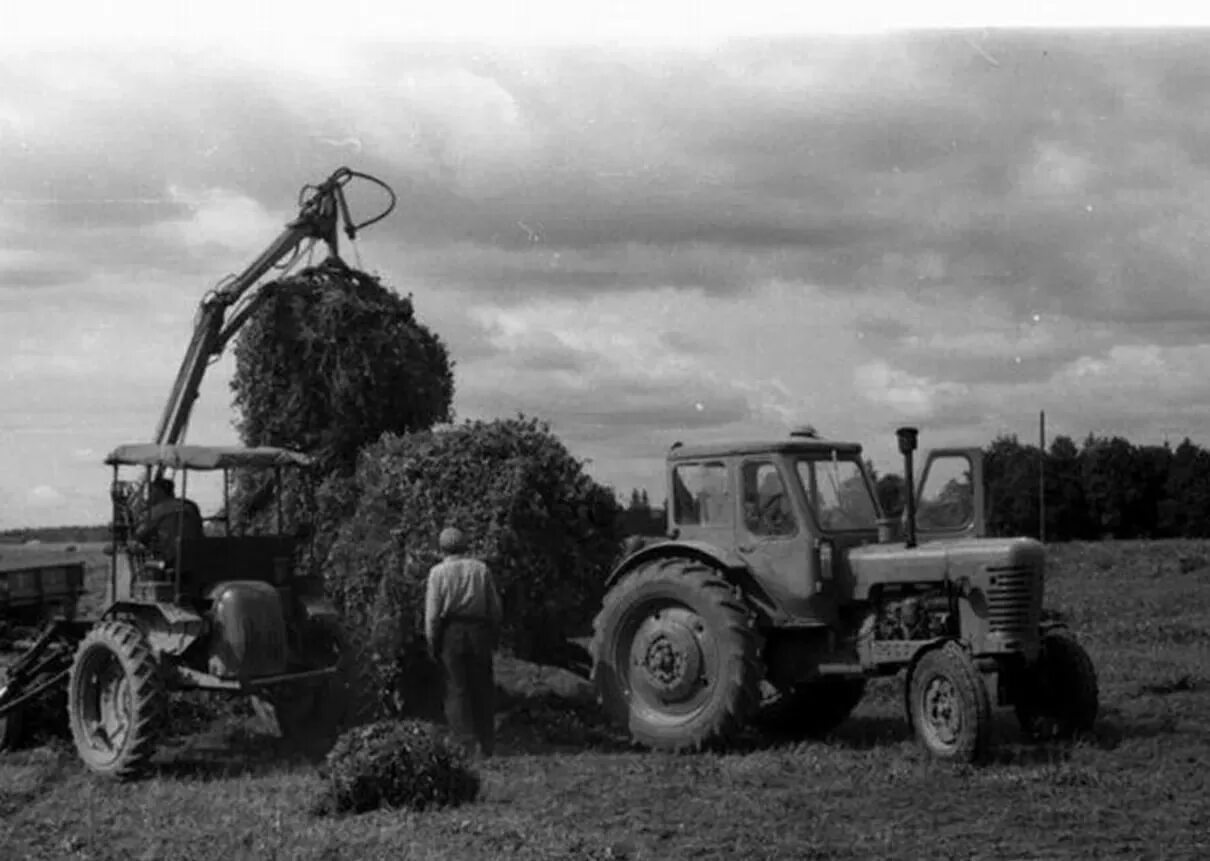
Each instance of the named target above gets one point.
<point>676,656</point>
<point>312,715</point>
<point>116,701</point>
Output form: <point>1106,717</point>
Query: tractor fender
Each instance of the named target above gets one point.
<point>728,563</point>
<point>169,629</point>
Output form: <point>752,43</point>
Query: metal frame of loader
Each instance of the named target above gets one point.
<point>323,213</point>
<point>171,629</point>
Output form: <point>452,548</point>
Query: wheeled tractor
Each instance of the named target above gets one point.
<point>781,589</point>
<point>233,613</point>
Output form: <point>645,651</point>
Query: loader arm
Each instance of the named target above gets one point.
<point>221,313</point>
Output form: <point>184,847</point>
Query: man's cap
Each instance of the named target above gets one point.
<point>452,540</point>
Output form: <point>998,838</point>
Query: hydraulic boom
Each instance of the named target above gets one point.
<point>219,318</point>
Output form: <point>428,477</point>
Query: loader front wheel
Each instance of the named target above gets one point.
<point>1058,696</point>
<point>676,656</point>
<point>116,702</point>
<point>948,705</point>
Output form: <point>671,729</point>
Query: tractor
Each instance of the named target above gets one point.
<point>781,589</point>
<point>231,613</point>
<point>227,612</point>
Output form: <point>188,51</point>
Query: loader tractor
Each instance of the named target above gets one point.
<point>231,613</point>
<point>780,590</point>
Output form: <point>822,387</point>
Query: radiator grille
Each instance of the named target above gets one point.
<point>1012,599</point>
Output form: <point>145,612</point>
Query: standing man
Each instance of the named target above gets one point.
<point>462,625</point>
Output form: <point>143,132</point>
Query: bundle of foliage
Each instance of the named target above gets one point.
<point>547,531</point>
<point>331,360</point>
<point>395,764</point>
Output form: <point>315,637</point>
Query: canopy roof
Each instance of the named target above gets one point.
<point>205,456</point>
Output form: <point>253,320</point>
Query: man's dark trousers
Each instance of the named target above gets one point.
<point>466,661</point>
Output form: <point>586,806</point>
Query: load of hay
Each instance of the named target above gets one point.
<point>332,359</point>
<point>547,531</point>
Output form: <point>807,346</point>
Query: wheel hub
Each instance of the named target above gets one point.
<point>667,654</point>
<point>942,710</point>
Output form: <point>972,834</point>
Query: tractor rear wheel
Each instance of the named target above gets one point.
<point>313,714</point>
<point>948,705</point>
<point>676,656</point>
<point>1058,696</point>
<point>815,708</point>
<point>116,701</point>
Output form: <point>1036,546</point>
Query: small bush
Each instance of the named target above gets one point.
<point>395,764</point>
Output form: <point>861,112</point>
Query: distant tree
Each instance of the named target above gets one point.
<point>1187,491</point>
<point>1110,489</point>
<point>1066,510</point>
<point>892,492</point>
<point>1011,485</point>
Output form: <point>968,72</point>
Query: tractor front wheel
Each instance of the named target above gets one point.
<point>116,701</point>
<point>948,705</point>
<point>313,714</point>
<point>1058,696</point>
<point>676,656</point>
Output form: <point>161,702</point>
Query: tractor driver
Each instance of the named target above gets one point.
<point>168,518</point>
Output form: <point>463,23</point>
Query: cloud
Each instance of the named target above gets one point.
<point>220,217</point>
<point>951,229</point>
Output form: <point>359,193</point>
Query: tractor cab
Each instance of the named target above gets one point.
<point>200,551</point>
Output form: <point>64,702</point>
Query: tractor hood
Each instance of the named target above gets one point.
<point>938,561</point>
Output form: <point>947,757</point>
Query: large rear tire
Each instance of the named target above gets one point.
<point>676,656</point>
<point>314,714</point>
<point>1058,697</point>
<point>948,705</point>
<point>116,702</point>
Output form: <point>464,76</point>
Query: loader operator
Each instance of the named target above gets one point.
<point>167,517</point>
<point>462,625</point>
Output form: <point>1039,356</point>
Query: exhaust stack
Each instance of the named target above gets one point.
<point>907,445</point>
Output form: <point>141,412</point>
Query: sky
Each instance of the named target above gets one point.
<point>643,223</point>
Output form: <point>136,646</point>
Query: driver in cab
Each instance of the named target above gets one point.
<point>167,519</point>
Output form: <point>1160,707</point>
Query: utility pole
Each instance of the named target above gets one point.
<point>1042,476</point>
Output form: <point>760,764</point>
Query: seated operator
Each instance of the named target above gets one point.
<point>165,517</point>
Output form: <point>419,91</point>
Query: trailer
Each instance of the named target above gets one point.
<point>38,618</point>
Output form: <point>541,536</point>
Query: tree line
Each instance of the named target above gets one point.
<point>1102,488</point>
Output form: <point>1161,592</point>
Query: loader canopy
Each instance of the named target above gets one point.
<point>205,457</point>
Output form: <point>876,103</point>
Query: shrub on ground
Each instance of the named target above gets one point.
<point>395,764</point>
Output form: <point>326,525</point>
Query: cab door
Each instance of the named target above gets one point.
<point>774,537</point>
<point>950,495</point>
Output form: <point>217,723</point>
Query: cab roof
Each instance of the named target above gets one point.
<point>785,445</point>
<point>205,457</point>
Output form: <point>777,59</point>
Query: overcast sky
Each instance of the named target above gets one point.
<point>641,241</point>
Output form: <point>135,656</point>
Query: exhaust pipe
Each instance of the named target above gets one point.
<point>907,445</point>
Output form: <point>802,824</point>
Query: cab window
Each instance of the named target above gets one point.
<point>767,509</point>
<point>699,492</point>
